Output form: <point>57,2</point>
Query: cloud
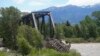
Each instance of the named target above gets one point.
<point>18,1</point>
<point>58,3</point>
<point>83,2</point>
<point>41,4</point>
<point>48,3</point>
<point>25,10</point>
<point>36,3</point>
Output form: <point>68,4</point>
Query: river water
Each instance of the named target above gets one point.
<point>87,49</point>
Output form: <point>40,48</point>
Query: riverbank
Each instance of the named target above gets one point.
<point>87,49</point>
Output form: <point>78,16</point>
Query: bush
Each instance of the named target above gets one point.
<point>27,38</point>
<point>34,37</point>
<point>24,47</point>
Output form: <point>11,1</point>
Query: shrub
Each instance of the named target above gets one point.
<point>24,47</point>
<point>27,38</point>
<point>34,37</point>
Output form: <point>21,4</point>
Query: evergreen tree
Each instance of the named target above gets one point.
<point>68,23</point>
<point>59,31</point>
<point>96,14</point>
<point>88,28</point>
<point>68,31</point>
<point>77,31</point>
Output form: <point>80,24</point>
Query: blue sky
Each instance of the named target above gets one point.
<point>33,5</point>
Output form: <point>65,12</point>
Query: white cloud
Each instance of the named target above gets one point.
<point>25,10</point>
<point>67,2</point>
<point>36,3</point>
<point>18,1</point>
<point>83,2</point>
<point>64,2</point>
<point>41,3</point>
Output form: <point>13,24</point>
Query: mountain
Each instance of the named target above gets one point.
<point>72,13</point>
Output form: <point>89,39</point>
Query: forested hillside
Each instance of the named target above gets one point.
<point>72,13</point>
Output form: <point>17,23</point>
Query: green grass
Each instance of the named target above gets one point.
<point>2,53</point>
<point>51,52</point>
<point>43,52</point>
<point>11,53</point>
<point>75,40</point>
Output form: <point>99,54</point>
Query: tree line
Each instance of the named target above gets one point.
<point>89,28</point>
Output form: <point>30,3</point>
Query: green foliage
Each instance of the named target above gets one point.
<point>50,52</point>
<point>59,31</point>
<point>88,28</point>
<point>96,14</point>
<point>68,23</point>
<point>24,47</point>
<point>98,31</point>
<point>28,38</point>
<point>8,26</point>
<point>68,31</point>
<point>77,31</point>
<point>32,35</point>
<point>3,53</point>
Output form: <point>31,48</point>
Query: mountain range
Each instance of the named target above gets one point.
<point>72,13</point>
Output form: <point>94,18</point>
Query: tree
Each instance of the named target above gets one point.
<point>77,31</point>
<point>92,31</point>
<point>68,31</point>
<point>59,31</point>
<point>88,28</point>
<point>9,25</point>
<point>96,14</point>
<point>67,23</point>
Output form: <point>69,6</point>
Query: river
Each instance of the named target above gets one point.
<point>87,49</point>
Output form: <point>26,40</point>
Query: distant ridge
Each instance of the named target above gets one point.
<point>72,13</point>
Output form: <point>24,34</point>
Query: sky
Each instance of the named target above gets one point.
<point>34,5</point>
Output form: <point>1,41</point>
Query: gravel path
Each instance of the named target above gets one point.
<point>87,49</point>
